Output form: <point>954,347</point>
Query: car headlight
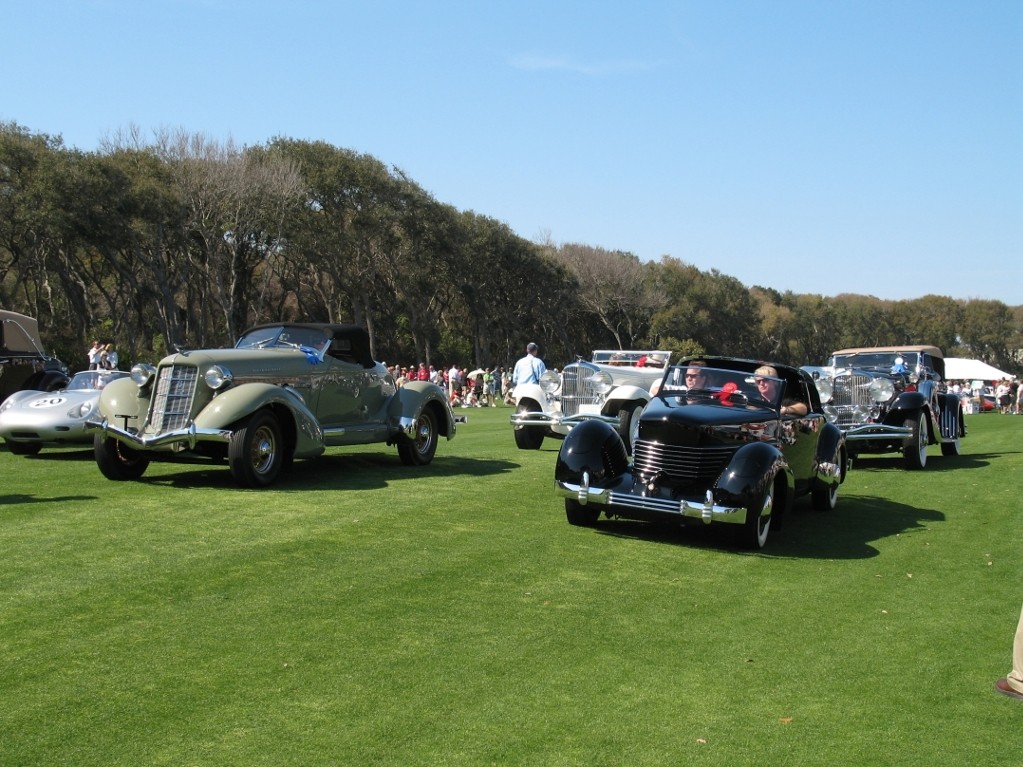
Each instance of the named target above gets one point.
<point>881,389</point>
<point>601,382</point>
<point>218,377</point>
<point>549,382</point>
<point>141,373</point>
<point>825,389</point>
<point>82,410</point>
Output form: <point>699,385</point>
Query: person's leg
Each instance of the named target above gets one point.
<point>1012,683</point>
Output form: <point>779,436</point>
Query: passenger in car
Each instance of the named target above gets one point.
<point>767,389</point>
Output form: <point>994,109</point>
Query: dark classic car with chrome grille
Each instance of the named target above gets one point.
<point>284,391</point>
<point>614,388</point>
<point>890,399</point>
<point>722,443</point>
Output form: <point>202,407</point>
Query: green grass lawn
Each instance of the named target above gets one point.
<point>361,612</point>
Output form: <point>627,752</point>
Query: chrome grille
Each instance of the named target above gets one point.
<point>681,464</point>
<point>851,396</point>
<point>575,389</point>
<point>172,403</point>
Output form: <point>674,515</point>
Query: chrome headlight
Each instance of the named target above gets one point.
<point>218,377</point>
<point>881,389</point>
<point>142,372</point>
<point>549,382</point>
<point>825,389</point>
<point>82,410</point>
<point>601,382</point>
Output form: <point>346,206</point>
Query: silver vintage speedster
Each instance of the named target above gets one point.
<point>614,388</point>
<point>285,391</point>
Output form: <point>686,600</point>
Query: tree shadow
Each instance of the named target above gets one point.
<point>19,499</point>
<point>843,533</point>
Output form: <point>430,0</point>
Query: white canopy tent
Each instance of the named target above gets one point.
<point>960,368</point>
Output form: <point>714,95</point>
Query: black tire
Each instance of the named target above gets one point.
<point>579,515</point>
<point>914,447</point>
<point>419,449</point>
<point>628,425</point>
<point>118,461</point>
<point>758,519</point>
<point>23,448</point>
<point>256,452</point>
<point>528,437</point>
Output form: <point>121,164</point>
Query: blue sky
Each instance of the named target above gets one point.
<point>819,147</point>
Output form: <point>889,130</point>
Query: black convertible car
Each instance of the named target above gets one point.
<point>725,441</point>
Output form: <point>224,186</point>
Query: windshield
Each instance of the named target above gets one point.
<point>90,380</point>
<point>722,385</point>
<point>891,362</point>
<point>284,338</point>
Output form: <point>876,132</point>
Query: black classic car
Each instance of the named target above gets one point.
<point>889,399</point>
<point>725,441</point>
<point>23,363</point>
<point>284,391</point>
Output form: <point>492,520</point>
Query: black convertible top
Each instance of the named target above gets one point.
<point>348,342</point>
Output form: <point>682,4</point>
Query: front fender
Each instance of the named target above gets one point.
<point>909,401</point>
<point>124,404</point>
<point>415,396</point>
<point>752,467</point>
<point>530,391</point>
<point>594,448</point>
<point>239,402</point>
<point>624,394</point>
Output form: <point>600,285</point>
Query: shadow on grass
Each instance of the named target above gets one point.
<point>844,533</point>
<point>18,499</point>
<point>935,463</point>
<point>356,471</point>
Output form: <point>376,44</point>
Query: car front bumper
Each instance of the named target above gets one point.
<point>188,437</point>
<point>626,501</point>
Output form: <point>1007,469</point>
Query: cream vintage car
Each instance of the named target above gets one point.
<point>284,391</point>
<point>614,387</point>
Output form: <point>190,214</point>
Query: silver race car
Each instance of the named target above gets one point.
<point>31,419</point>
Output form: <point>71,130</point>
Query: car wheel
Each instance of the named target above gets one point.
<point>914,448</point>
<point>118,461</point>
<point>628,425</point>
<point>758,519</point>
<point>582,516</point>
<point>23,448</point>
<point>528,437</point>
<point>418,450</point>
<point>255,453</point>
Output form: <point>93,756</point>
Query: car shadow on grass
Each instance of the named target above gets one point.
<point>350,471</point>
<point>843,533</point>
<point>935,463</point>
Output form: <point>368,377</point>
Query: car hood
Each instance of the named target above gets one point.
<point>250,362</point>
<point>36,400</point>
<point>671,419</point>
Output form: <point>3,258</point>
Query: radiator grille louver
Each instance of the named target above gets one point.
<point>172,403</point>
<point>681,464</point>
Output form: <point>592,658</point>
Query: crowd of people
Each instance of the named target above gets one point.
<point>482,387</point>
<point>1004,395</point>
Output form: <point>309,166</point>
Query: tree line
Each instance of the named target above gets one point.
<point>182,241</point>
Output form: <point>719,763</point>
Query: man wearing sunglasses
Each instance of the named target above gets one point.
<point>767,387</point>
